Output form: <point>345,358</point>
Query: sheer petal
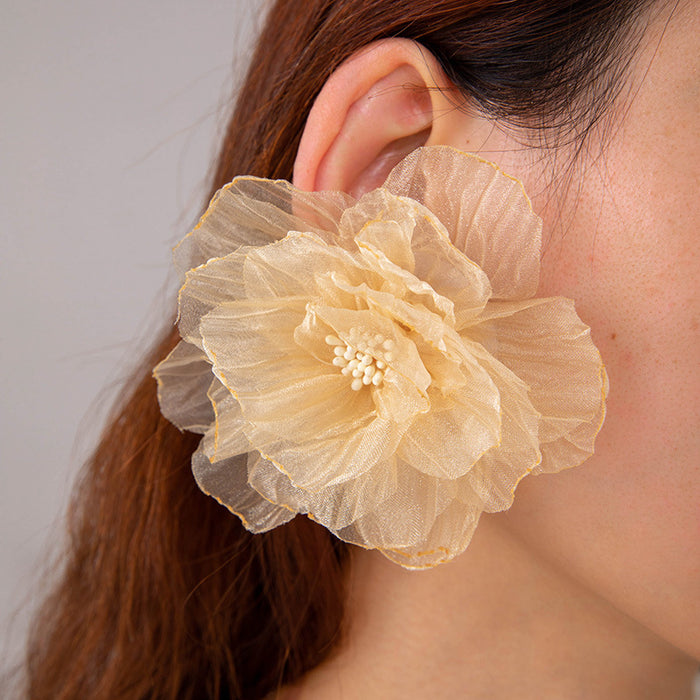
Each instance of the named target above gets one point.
<point>460,427</point>
<point>227,482</point>
<point>317,463</point>
<point>495,476</point>
<point>487,213</point>
<point>184,377</point>
<point>550,349</point>
<point>335,507</point>
<point>252,211</point>
<point>401,236</point>
<point>228,438</point>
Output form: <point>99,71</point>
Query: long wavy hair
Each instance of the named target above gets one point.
<point>161,592</point>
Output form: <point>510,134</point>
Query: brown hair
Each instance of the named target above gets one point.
<point>163,594</point>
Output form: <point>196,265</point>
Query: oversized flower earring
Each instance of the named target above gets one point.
<point>381,365</point>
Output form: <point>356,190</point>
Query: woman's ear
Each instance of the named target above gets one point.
<point>379,105</point>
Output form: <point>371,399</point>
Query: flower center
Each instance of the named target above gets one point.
<point>364,357</point>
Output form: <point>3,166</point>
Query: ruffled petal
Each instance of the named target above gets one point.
<point>495,476</point>
<point>546,344</point>
<point>459,429</point>
<point>251,211</point>
<point>318,463</point>
<point>228,438</point>
<point>184,377</point>
<point>405,518</point>
<point>335,507</point>
<point>487,213</point>
<point>416,251</point>
<point>218,281</point>
<point>227,482</point>
<point>292,267</point>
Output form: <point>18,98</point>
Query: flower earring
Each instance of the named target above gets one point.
<point>381,365</point>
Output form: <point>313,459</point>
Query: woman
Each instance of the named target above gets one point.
<point>587,586</point>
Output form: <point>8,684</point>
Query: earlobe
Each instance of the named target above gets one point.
<point>375,109</point>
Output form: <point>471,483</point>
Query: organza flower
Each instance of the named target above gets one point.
<point>382,364</point>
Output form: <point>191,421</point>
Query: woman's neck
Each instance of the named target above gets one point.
<point>495,623</point>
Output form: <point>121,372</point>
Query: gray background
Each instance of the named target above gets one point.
<point>109,116</point>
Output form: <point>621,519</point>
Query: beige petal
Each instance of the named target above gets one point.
<point>184,377</point>
<point>451,533</point>
<point>415,247</point>
<point>316,464</point>
<point>254,212</point>
<point>280,387</point>
<point>495,476</point>
<point>550,349</point>
<point>334,506</point>
<point>206,287</point>
<point>251,345</point>
<point>227,438</point>
<point>431,326</point>
<point>405,518</point>
<point>292,266</point>
<point>487,213</point>
<point>227,482</point>
<point>459,429</point>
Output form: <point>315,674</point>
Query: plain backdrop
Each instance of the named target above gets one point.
<point>109,118</point>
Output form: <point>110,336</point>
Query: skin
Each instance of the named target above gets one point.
<point>589,586</point>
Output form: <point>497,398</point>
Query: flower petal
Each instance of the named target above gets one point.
<point>334,507</point>
<point>184,377</point>
<point>316,464</point>
<point>227,439</point>
<point>546,344</point>
<point>405,240</point>
<point>292,266</point>
<point>218,281</point>
<point>278,383</point>
<point>488,214</point>
<point>254,212</point>
<point>460,427</point>
<point>227,482</point>
<point>495,476</point>
<point>406,517</point>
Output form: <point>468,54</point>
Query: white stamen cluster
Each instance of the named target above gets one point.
<point>364,357</point>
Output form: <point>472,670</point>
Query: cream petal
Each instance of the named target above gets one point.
<point>335,506</point>
<point>419,245</point>
<point>459,429</point>
<point>220,280</point>
<point>184,378</point>
<point>251,344</point>
<point>406,516</point>
<point>292,266</point>
<point>401,286</point>
<point>227,482</point>
<point>449,536</point>
<point>431,326</point>
<point>451,273</point>
<point>495,476</point>
<point>227,438</point>
<point>487,213</point>
<point>280,387</point>
<point>316,464</point>
<point>254,212</point>
<point>417,253</point>
<point>551,350</point>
